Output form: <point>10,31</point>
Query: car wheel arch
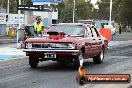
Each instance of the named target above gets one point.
<point>83,49</point>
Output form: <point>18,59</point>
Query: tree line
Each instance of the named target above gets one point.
<point>12,4</point>
<point>121,13</point>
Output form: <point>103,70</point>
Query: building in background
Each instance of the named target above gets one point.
<point>3,19</point>
<point>2,10</point>
<point>97,23</point>
<point>47,17</point>
<point>28,18</point>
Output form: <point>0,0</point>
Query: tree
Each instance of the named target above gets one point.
<point>121,13</point>
<point>83,10</point>
<point>65,12</point>
<point>126,13</point>
<point>13,4</point>
<point>103,11</point>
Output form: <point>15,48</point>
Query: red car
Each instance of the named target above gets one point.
<point>67,42</point>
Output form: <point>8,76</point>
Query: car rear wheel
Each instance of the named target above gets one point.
<point>78,61</point>
<point>99,58</point>
<point>33,62</point>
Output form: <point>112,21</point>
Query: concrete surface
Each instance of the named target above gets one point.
<point>17,73</point>
<point>10,52</point>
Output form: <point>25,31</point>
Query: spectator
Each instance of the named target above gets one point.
<point>38,26</point>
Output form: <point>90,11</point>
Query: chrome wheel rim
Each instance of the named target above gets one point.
<point>101,56</point>
<point>81,60</point>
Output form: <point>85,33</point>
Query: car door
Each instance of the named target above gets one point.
<point>90,43</point>
<point>98,41</point>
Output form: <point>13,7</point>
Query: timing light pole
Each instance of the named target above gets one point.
<point>8,7</point>
<point>7,18</point>
<point>19,24</point>
<point>19,12</point>
<point>110,12</point>
<point>74,4</point>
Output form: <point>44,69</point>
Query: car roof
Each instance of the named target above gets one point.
<point>68,24</point>
<point>76,24</point>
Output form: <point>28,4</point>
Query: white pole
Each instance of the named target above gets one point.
<point>74,3</point>
<point>7,23</point>
<point>19,12</point>
<point>110,12</point>
<point>8,7</point>
<point>49,16</point>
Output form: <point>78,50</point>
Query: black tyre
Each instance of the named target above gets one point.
<point>99,58</point>
<point>78,61</point>
<point>33,62</point>
<point>81,80</point>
